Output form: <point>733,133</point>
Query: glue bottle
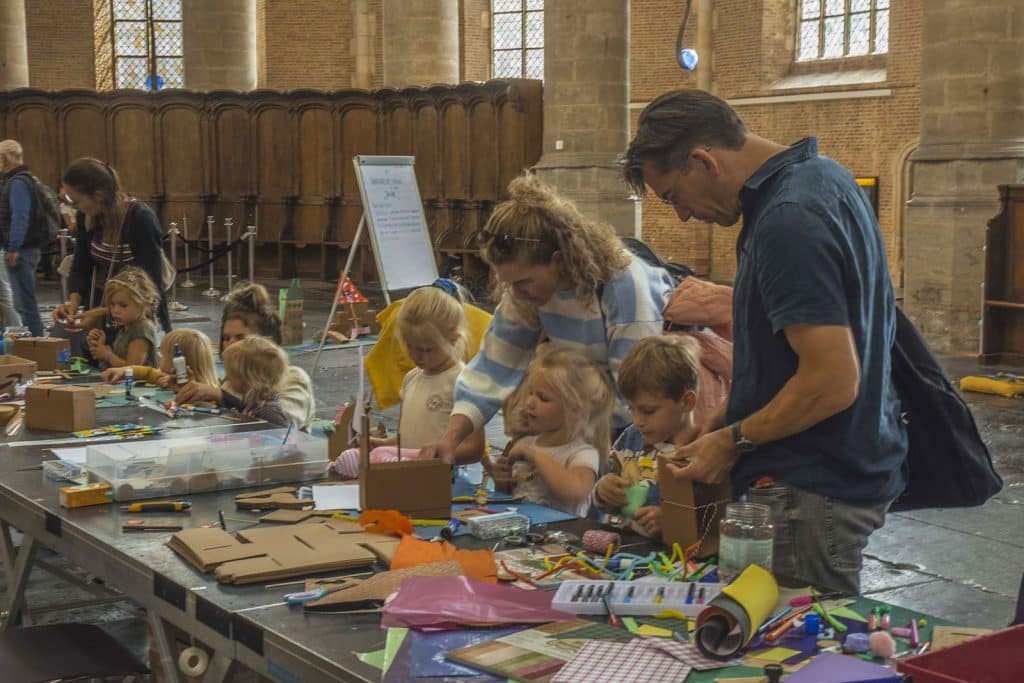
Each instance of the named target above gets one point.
<point>129,381</point>
<point>180,368</point>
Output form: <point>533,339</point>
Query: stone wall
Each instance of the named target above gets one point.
<point>61,53</point>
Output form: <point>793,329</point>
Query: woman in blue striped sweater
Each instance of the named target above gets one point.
<point>563,278</point>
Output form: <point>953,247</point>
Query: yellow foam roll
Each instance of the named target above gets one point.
<point>756,591</point>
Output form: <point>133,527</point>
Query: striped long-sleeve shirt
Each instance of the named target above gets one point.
<point>630,309</point>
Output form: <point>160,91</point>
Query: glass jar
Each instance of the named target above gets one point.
<point>746,536</point>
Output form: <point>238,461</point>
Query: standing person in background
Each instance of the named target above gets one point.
<point>17,235</point>
<point>114,231</point>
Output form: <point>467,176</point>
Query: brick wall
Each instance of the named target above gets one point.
<point>306,44</point>
<point>753,43</point>
<point>475,40</point>
<point>61,52</point>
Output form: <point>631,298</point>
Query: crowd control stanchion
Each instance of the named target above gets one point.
<point>188,283</point>
<point>250,236</point>
<point>174,304</point>
<point>62,238</point>
<point>228,225</point>
<point>212,292</point>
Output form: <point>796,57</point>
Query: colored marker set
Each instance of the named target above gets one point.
<point>631,598</point>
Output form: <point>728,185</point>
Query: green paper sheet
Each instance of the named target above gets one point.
<point>846,613</point>
<point>374,659</point>
<point>391,644</point>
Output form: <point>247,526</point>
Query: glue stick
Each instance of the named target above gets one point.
<point>129,381</point>
<point>180,369</point>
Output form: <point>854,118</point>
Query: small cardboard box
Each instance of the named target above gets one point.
<point>15,369</point>
<point>421,489</point>
<point>85,494</point>
<point>691,512</point>
<point>50,353</point>
<point>61,409</point>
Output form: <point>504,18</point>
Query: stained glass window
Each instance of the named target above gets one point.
<point>833,29</point>
<point>517,39</point>
<point>146,35</point>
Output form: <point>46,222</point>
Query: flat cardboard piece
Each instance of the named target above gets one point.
<point>377,587</point>
<point>948,636</point>
<point>691,512</point>
<point>61,409</point>
<point>282,497</point>
<point>257,555</point>
<point>421,489</point>
<point>15,370</point>
<point>288,516</point>
<point>51,353</point>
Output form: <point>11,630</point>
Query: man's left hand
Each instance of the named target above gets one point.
<point>12,259</point>
<point>707,460</point>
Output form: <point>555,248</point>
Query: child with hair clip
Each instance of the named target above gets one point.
<point>431,327</point>
<point>196,348</point>
<point>659,380</point>
<point>130,302</point>
<point>567,410</point>
<point>254,371</point>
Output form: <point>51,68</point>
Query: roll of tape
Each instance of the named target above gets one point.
<point>193,661</point>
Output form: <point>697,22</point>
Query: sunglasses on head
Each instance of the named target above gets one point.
<point>502,242</point>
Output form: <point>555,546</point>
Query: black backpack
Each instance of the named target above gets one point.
<point>948,465</point>
<point>45,222</point>
<point>678,271</point>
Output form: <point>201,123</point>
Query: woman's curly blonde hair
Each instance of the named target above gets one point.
<point>535,222</point>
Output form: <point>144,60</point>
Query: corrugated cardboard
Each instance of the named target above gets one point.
<point>421,489</point>
<point>691,512</point>
<point>14,369</point>
<point>280,498</point>
<point>279,552</point>
<point>61,409</point>
<point>49,352</point>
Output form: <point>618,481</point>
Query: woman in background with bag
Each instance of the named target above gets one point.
<point>114,231</point>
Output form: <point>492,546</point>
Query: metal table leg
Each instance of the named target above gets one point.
<point>220,669</point>
<point>17,566</point>
<point>162,642</point>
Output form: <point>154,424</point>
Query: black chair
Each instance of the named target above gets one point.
<point>64,652</point>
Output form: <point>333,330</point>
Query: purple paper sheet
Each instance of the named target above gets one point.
<point>832,668</point>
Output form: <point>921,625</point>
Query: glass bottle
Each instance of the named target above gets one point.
<point>746,536</point>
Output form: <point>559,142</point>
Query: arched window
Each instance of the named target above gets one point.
<point>517,39</point>
<point>833,29</point>
<point>139,44</point>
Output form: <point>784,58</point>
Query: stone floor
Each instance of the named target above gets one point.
<point>962,565</point>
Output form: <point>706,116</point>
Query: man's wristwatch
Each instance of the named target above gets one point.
<point>743,444</point>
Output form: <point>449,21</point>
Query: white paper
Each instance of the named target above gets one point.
<point>75,456</point>
<point>339,497</point>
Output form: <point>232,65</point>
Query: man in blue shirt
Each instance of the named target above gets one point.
<point>23,244</point>
<point>813,415</point>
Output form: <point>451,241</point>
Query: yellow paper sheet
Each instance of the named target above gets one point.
<point>776,655</point>
<point>648,630</point>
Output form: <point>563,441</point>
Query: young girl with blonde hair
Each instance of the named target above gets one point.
<point>561,276</point>
<point>130,301</point>
<point>197,350</point>
<point>567,410</point>
<point>254,371</point>
<point>431,328</point>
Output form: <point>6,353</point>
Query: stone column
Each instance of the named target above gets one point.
<point>421,42</point>
<point>361,46</point>
<point>972,139</point>
<point>219,44</point>
<point>586,107</point>
<point>13,45</point>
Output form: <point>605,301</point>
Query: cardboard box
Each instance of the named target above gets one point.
<point>61,409</point>
<point>421,489</point>
<point>691,512</point>
<point>16,370</point>
<point>50,353</point>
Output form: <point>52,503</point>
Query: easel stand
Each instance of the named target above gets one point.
<point>337,290</point>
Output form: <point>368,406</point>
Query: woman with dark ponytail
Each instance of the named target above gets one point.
<point>114,231</point>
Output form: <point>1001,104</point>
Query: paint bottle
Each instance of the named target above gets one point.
<point>180,368</point>
<point>129,381</point>
<point>746,536</point>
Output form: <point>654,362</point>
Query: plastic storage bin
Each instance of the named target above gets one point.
<point>174,467</point>
<point>995,658</point>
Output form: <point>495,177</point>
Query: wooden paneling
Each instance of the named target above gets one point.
<point>1002,316</point>
<point>284,160</point>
